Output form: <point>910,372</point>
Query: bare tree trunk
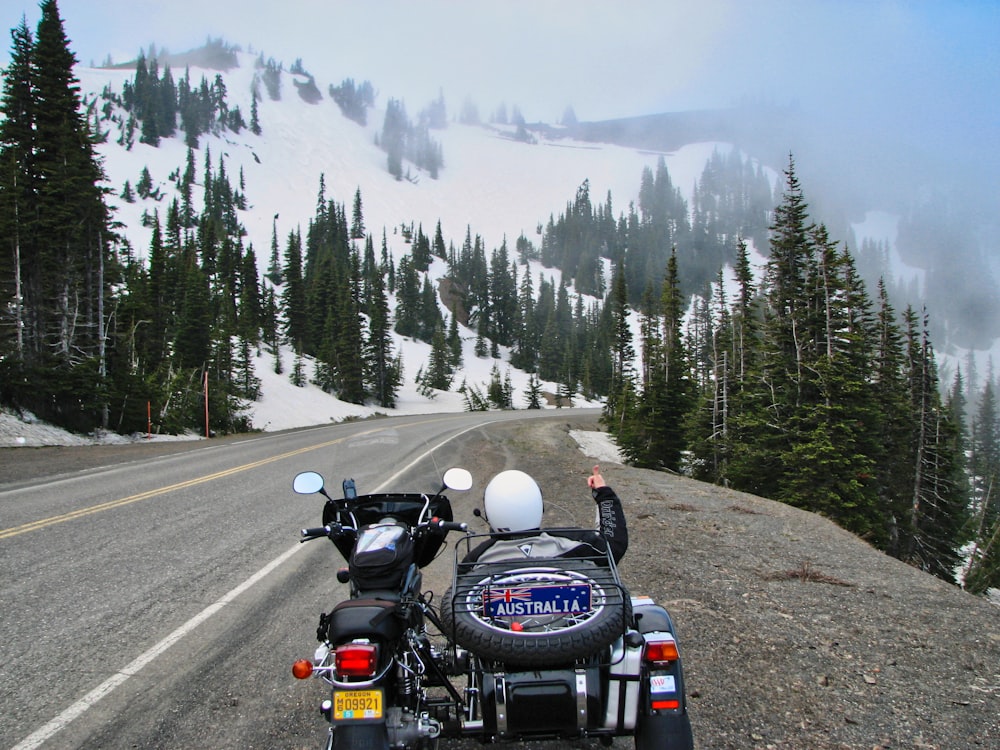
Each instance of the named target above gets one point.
<point>102,365</point>
<point>918,473</point>
<point>18,307</point>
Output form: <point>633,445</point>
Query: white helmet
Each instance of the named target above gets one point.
<point>513,502</point>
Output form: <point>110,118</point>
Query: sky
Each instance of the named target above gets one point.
<point>913,82</point>
<point>605,59</point>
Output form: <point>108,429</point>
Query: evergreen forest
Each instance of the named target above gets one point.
<point>806,385</point>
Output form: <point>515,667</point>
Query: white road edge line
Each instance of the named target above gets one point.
<point>77,709</point>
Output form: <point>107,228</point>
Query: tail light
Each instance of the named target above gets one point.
<point>356,660</point>
<point>661,650</point>
<point>669,705</point>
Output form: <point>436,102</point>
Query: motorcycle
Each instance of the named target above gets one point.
<point>517,649</point>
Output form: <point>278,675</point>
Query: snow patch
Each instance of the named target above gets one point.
<point>597,445</point>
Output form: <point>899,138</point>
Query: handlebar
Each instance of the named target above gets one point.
<point>314,533</point>
<point>335,531</point>
<point>437,523</point>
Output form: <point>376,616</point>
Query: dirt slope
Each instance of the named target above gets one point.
<point>794,633</point>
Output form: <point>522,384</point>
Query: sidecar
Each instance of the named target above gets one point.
<point>557,647</point>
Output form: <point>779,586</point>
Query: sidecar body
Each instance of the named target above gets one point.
<point>556,647</point>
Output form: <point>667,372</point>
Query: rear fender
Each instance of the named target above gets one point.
<point>662,684</point>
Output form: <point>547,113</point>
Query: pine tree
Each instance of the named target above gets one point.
<point>53,207</point>
<point>293,295</point>
<point>349,351</point>
<point>407,299</point>
<point>255,115</point>
<point>982,571</point>
<point>393,140</point>
<point>805,415</point>
<point>192,340</point>
<point>533,395</point>
<point>430,312</point>
<point>709,424</point>
<point>357,220</point>
<point>526,336</point>
<point>676,399</point>
<point>17,196</point>
<point>620,405</point>
<point>656,436</point>
<point>454,342</point>
<point>937,514</point>
<point>382,375</point>
<point>439,372</point>
<point>890,389</point>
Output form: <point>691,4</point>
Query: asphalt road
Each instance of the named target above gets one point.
<point>160,601</point>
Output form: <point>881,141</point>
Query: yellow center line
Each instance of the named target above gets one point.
<point>52,520</point>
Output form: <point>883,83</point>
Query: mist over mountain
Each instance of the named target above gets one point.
<point>948,224</point>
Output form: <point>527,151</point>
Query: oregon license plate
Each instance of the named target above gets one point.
<point>350,705</point>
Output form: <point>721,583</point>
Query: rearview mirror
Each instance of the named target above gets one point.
<point>307,483</point>
<point>458,479</point>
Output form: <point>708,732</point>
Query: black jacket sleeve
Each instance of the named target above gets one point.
<point>611,521</point>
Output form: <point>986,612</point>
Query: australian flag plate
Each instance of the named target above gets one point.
<point>535,600</point>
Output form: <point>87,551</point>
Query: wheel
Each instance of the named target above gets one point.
<point>669,732</point>
<point>360,737</point>
<point>534,639</point>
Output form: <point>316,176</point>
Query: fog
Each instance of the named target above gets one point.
<point>891,101</point>
<point>908,84</point>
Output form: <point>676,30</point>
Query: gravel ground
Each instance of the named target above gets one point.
<point>794,633</point>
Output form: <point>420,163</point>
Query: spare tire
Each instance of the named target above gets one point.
<point>532,634</point>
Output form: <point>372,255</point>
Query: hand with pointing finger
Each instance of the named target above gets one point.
<point>595,480</point>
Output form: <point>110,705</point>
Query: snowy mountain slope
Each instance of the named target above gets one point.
<point>498,186</point>
<point>490,183</point>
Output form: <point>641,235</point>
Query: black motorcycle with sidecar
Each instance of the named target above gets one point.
<point>515,650</point>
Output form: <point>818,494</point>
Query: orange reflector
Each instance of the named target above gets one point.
<point>666,704</point>
<point>302,669</point>
<point>659,651</point>
<point>356,660</point>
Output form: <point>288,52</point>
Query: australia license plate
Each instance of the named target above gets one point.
<point>537,601</point>
<point>351,705</point>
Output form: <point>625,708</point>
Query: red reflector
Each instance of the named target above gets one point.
<point>356,660</point>
<point>662,650</point>
<point>666,704</point>
<point>302,669</point>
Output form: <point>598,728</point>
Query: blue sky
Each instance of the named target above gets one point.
<point>920,75</point>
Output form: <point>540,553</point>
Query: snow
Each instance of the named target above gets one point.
<point>491,184</point>
<point>597,445</point>
<point>27,431</point>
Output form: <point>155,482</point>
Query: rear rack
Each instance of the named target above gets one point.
<point>537,598</point>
